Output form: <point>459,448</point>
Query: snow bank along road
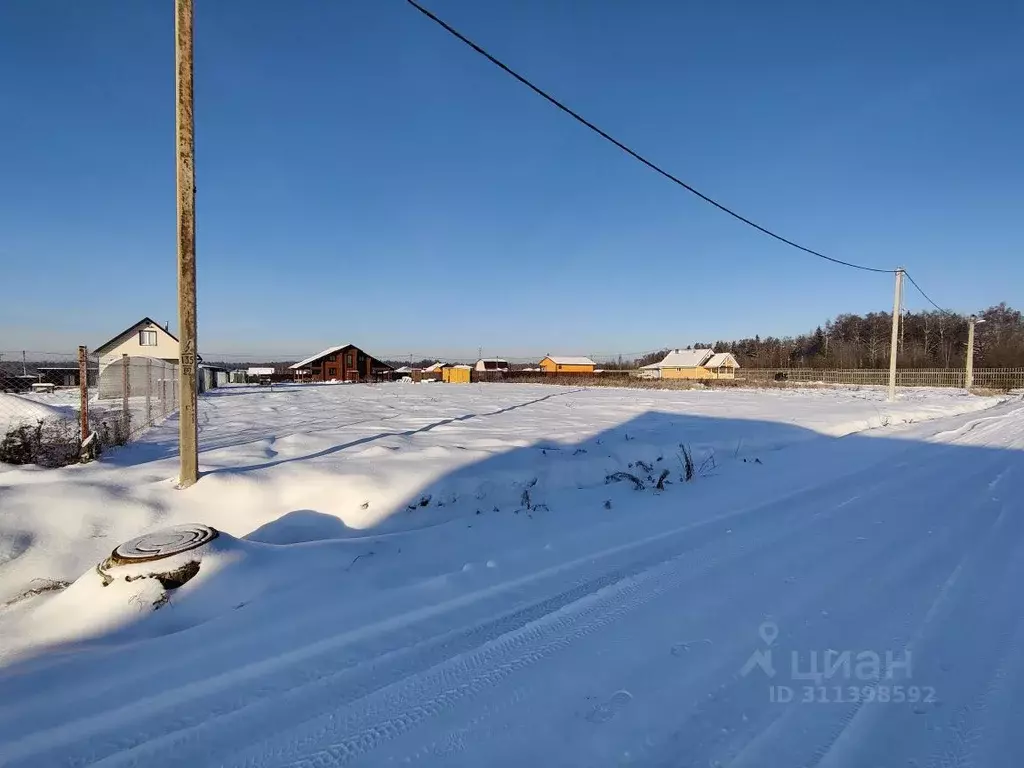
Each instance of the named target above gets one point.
<point>815,596</point>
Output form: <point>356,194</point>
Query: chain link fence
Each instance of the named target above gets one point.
<point>59,408</point>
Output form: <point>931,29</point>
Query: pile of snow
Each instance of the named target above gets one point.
<point>25,410</point>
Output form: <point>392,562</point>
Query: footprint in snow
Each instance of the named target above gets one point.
<point>602,713</point>
<point>681,648</point>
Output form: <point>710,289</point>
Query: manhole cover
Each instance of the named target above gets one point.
<point>161,544</point>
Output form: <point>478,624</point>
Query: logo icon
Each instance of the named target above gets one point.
<point>769,633</point>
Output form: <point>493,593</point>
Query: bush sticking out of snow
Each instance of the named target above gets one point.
<point>661,480</point>
<point>686,460</point>
<point>52,443</point>
<point>618,477</point>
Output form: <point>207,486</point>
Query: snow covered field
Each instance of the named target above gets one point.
<point>442,574</point>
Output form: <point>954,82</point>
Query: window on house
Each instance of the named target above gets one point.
<point>351,360</point>
<point>147,338</point>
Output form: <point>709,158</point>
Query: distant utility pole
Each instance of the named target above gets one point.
<point>897,302</point>
<point>24,367</point>
<point>969,373</point>
<point>188,431</point>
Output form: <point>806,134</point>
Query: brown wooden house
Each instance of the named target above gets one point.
<point>345,362</point>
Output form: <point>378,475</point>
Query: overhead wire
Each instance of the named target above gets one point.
<point>926,296</point>
<point>631,152</point>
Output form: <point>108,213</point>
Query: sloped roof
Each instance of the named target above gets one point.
<point>318,355</point>
<point>131,329</point>
<point>569,360</point>
<point>435,367</point>
<point>720,359</point>
<point>684,358</point>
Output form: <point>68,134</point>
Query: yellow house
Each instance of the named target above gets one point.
<point>562,364</point>
<point>693,364</point>
<point>456,374</point>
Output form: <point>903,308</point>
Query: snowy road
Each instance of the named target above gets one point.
<point>645,641</point>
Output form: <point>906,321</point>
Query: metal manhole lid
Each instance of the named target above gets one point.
<point>163,543</point>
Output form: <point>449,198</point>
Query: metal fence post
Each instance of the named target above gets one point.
<point>149,390</point>
<point>163,389</point>
<point>126,387</point>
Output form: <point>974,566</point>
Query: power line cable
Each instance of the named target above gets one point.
<point>633,153</point>
<point>926,296</point>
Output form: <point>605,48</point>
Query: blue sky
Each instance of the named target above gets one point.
<point>364,177</point>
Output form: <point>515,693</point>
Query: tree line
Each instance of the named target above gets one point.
<point>927,340</point>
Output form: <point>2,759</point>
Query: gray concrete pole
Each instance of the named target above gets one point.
<point>894,342</point>
<point>969,377</point>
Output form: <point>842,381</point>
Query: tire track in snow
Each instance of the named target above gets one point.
<point>767,728</point>
<point>153,711</point>
<point>188,701</point>
<point>483,670</point>
<point>360,741</point>
<point>844,748</point>
<point>700,600</point>
<point>452,644</point>
<point>969,726</point>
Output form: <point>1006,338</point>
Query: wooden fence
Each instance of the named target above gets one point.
<point>997,378</point>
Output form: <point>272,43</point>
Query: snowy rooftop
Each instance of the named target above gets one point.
<point>318,355</point>
<point>569,360</point>
<point>684,358</point>
<point>720,359</point>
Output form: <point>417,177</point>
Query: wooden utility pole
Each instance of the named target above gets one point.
<point>188,432</point>
<point>83,391</point>
<point>897,302</point>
